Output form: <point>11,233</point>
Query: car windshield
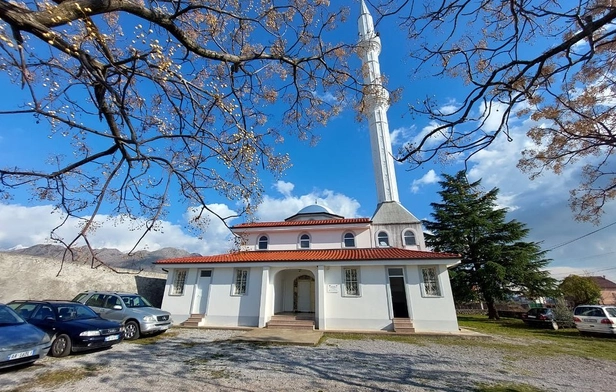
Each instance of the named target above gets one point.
<point>69,312</point>
<point>135,301</point>
<point>9,317</point>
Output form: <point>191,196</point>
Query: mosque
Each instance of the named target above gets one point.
<point>320,270</point>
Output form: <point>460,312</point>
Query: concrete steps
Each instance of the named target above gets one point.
<point>403,326</point>
<point>193,320</point>
<point>298,321</point>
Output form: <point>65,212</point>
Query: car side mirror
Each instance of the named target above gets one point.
<point>49,319</point>
<point>117,307</point>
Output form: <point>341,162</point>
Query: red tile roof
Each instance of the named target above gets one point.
<point>312,255</point>
<point>603,283</point>
<point>302,223</point>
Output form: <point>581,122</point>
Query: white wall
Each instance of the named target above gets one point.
<point>431,313</point>
<point>225,309</point>
<point>320,238</point>
<point>369,311</point>
<point>179,305</point>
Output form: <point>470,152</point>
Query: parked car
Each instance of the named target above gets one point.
<point>540,317</point>
<point>595,319</point>
<point>137,315</point>
<point>20,343</point>
<point>72,326</point>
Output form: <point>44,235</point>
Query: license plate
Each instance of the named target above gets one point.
<point>532,316</point>
<point>112,337</point>
<point>589,320</point>
<point>165,327</point>
<point>22,354</point>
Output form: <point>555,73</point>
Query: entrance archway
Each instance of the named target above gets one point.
<point>303,294</point>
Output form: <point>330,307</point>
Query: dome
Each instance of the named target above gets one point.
<point>314,212</point>
<point>315,209</point>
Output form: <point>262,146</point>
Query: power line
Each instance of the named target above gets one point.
<point>579,238</point>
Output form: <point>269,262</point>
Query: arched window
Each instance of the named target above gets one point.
<point>262,242</point>
<point>349,240</point>
<point>304,241</point>
<point>409,238</point>
<point>382,239</point>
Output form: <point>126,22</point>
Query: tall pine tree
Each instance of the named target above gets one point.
<point>496,262</point>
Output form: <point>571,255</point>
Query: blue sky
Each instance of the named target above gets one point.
<point>337,173</point>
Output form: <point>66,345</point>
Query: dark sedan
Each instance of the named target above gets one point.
<point>20,343</point>
<point>73,326</point>
<point>540,317</point>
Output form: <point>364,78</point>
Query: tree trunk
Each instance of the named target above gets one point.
<point>492,312</point>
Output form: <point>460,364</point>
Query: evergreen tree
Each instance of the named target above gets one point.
<point>495,261</point>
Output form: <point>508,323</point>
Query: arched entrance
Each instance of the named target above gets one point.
<point>294,291</point>
<point>303,294</point>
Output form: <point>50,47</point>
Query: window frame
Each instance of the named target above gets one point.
<point>378,242</point>
<point>345,282</point>
<point>301,240</point>
<point>236,279</point>
<point>344,239</point>
<point>178,284</point>
<point>259,242</point>
<point>411,232</point>
<point>426,291</point>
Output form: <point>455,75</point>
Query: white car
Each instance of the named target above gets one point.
<point>595,319</point>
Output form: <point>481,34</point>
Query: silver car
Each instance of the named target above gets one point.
<point>135,312</point>
<point>595,319</point>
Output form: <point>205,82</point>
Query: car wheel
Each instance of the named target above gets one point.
<point>131,330</point>
<point>554,325</point>
<point>61,346</point>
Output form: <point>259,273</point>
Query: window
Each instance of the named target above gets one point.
<point>262,242</point>
<point>304,241</point>
<point>351,282</point>
<point>382,239</point>
<point>429,277</point>
<point>241,281</point>
<point>349,240</point>
<point>178,282</point>
<point>409,238</point>
<point>205,274</point>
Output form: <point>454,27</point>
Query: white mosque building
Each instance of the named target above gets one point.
<point>322,270</point>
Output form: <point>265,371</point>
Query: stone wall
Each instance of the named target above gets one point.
<point>30,277</point>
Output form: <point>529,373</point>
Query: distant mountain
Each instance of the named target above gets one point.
<point>140,260</point>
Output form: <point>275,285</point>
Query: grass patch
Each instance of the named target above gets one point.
<point>508,388</point>
<point>510,336</point>
<point>411,339</point>
<point>220,373</point>
<point>54,378</point>
<point>543,341</point>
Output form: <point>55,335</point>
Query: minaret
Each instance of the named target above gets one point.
<point>390,216</point>
<point>376,103</point>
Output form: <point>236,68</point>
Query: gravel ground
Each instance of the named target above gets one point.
<point>192,359</point>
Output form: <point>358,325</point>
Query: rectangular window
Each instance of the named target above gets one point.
<point>429,277</point>
<point>178,282</point>
<point>241,281</point>
<point>351,282</point>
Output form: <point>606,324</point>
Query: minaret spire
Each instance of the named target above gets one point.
<point>376,103</point>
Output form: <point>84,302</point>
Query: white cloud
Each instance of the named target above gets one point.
<point>401,135</point>
<point>542,204</point>
<point>277,209</point>
<point>32,225</point>
<point>284,187</point>
<point>429,178</point>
